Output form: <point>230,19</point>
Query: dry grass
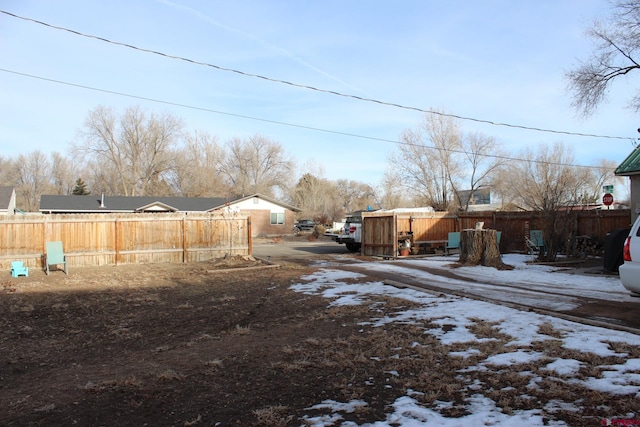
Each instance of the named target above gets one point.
<point>483,329</point>
<point>625,349</point>
<point>242,330</point>
<point>405,357</point>
<point>548,329</point>
<point>273,416</point>
<point>169,375</point>
<point>213,367</point>
<point>251,352</point>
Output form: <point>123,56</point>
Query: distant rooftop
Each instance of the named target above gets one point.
<point>5,198</point>
<point>113,204</point>
<point>94,203</point>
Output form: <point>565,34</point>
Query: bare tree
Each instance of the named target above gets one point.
<point>102,177</point>
<point>33,180</point>
<point>135,146</point>
<point>617,41</point>
<point>8,171</point>
<point>315,194</point>
<point>354,195</point>
<point>483,158</point>
<point>196,167</point>
<point>257,165</point>
<point>505,187</point>
<point>548,184</point>
<point>596,177</point>
<point>436,162</point>
<point>428,161</point>
<point>390,193</point>
<point>63,173</point>
<point>35,174</point>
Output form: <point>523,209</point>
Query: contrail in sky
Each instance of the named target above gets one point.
<point>271,46</point>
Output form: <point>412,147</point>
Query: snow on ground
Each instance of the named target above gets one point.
<point>523,328</point>
<point>562,287</point>
<point>525,274</point>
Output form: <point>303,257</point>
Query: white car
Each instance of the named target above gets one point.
<point>630,269</point>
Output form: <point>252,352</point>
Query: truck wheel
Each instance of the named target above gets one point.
<point>296,230</point>
<point>353,247</point>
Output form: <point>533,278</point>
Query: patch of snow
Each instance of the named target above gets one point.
<point>513,358</point>
<point>450,319</point>
<point>564,366</point>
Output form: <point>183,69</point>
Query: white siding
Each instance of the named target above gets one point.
<point>256,203</point>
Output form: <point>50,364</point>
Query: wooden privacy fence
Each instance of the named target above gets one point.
<point>112,239</point>
<point>382,231</point>
<point>516,225</point>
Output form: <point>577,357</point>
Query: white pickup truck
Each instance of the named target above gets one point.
<point>351,233</point>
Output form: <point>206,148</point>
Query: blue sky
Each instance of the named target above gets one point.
<point>502,61</point>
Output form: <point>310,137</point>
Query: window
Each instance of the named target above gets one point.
<point>277,218</point>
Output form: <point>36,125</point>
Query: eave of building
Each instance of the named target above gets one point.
<point>156,207</point>
<point>630,165</point>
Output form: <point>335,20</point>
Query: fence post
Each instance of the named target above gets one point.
<point>395,234</point>
<point>184,238</point>
<point>44,240</point>
<point>249,239</point>
<point>116,240</point>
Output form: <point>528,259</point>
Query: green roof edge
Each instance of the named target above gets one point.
<point>630,165</point>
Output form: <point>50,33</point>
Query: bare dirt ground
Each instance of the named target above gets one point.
<point>182,344</point>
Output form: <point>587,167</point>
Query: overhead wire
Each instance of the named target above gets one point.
<point>313,88</point>
<point>353,135</point>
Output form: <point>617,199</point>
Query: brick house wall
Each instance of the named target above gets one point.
<point>260,209</point>
<point>261,223</point>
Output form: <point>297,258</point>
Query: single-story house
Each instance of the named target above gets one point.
<point>479,199</point>
<point>631,167</point>
<point>7,201</point>
<point>268,215</point>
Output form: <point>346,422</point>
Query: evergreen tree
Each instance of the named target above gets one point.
<point>80,189</point>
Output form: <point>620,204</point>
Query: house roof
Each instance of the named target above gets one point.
<point>630,165</point>
<point>269,199</point>
<point>5,197</point>
<point>93,204</point>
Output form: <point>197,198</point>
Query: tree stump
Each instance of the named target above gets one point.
<point>480,247</point>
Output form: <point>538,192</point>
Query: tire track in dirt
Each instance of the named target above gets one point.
<point>592,311</point>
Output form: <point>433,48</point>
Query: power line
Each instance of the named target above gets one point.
<point>303,86</point>
<point>334,132</point>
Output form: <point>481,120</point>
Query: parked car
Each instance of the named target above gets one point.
<point>630,269</point>
<point>351,233</point>
<point>304,225</point>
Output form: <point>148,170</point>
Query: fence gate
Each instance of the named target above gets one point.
<point>379,235</point>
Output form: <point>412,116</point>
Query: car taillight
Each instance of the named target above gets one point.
<point>626,253</point>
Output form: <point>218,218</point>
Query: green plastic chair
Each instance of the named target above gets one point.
<point>55,256</point>
<point>18,269</point>
<point>535,242</point>
<point>453,242</point>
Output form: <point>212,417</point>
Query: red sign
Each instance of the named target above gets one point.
<point>607,199</point>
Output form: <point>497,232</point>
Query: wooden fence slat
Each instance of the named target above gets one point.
<point>379,229</point>
<point>112,239</point>
<point>108,239</point>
